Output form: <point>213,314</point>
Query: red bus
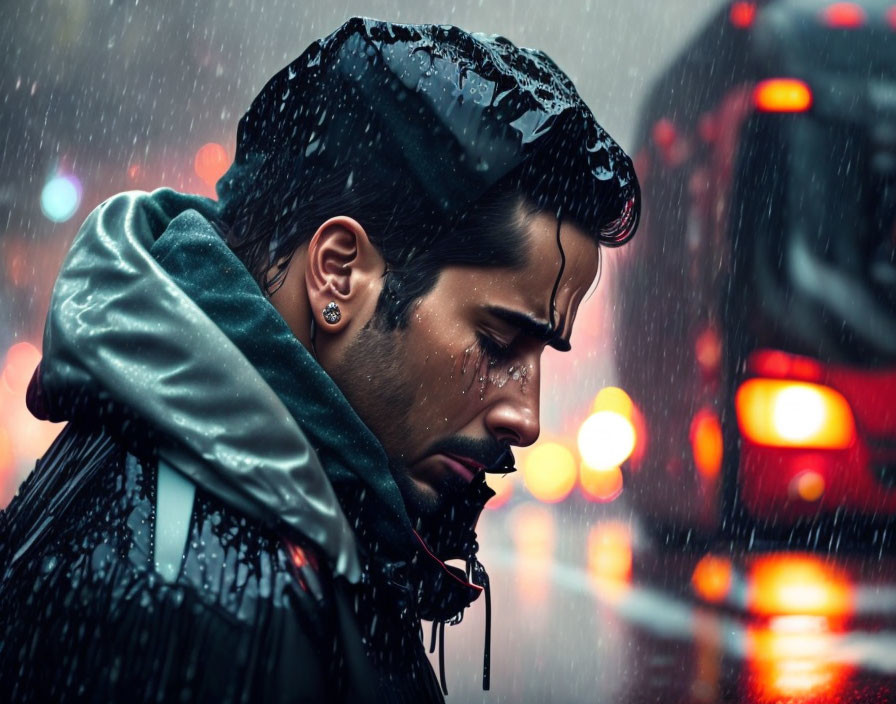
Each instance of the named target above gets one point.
<point>757,307</point>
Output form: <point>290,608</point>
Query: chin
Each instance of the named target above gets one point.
<point>421,500</point>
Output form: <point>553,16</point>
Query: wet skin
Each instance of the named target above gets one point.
<point>467,366</point>
<point>446,393</point>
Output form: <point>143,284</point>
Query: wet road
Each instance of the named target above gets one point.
<point>586,609</point>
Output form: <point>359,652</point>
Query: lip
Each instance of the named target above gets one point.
<point>470,466</point>
<point>464,466</point>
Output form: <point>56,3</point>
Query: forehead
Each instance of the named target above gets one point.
<point>528,288</point>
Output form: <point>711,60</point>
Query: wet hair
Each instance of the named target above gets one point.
<point>281,213</point>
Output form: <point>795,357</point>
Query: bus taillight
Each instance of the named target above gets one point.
<point>843,15</point>
<point>743,14</point>
<point>782,95</point>
<point>783,413</point>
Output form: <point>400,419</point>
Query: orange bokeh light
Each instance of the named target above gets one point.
<point>706,443</point>
<point>708,350</point>
<point>549,472</point>
<point>211,162</point>
<point>601,485</point>
<point>782,413</point>
<point>6,456</point>
<point>610,553</point>
<point>712,578</point>
<point>533,532</point>
<point>792,659</point>
<point>502,485</point>
<point>782,95</point>
<point>23,438</point>
<point>21,361</point>
<point>612,398</point>
<point>798,584</point>
<point>808,485</point>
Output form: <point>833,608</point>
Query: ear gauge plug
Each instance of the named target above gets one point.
<point>331,313</point>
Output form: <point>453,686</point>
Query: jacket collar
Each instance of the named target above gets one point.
<point>202,265</point>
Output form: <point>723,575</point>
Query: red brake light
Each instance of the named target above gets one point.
<point>843,15</point>
<point>743,14</point>
<point>782,95</point>
<point>775,363</point>
<point>785,413</point>
<point>891,17</point>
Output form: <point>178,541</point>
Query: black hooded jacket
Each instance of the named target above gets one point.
<point>129,574</point>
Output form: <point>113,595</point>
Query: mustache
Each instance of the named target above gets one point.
<point>494,455</point>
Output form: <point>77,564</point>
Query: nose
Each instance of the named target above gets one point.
<point>513,414</point>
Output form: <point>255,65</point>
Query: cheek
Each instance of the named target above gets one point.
<point>478,373</point>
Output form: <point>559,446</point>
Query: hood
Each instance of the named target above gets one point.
<point>123,337</point>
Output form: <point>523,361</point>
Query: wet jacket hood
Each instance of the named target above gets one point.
<point>445,112</point>
<point>124,336</point>
<point>154,319</point>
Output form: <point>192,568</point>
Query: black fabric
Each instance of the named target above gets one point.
<point>242,622</point>
<point>84,616</point>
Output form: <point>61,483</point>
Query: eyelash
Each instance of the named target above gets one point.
<point>496,352</point>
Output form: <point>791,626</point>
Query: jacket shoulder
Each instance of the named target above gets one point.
<point>246,617</point>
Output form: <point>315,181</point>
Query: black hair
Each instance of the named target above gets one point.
<point>282,210</point>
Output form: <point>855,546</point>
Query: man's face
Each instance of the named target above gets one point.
<point>449,392</point>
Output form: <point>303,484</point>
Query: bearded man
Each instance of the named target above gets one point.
<point>282,404</point>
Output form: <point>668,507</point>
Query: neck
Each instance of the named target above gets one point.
<point>291,301</point>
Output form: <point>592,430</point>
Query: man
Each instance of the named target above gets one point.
<point>282,404</point>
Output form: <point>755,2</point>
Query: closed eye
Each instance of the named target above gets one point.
<point>496,352</point>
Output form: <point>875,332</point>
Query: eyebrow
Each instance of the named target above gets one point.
<point>530,326</point>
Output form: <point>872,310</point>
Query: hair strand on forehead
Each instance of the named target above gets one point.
<point>553,302</point>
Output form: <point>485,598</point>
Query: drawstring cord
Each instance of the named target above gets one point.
<point>477,575</point>
<point>438,631</point>
<point>480,577</point>
<point>442,658</point>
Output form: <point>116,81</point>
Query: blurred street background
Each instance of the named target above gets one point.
<point>596,597</point>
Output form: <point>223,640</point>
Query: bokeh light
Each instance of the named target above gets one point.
<point>534,537</point>
<point>502,485</point>
<point>23,438</point>
<point>798,412</point>
<point>606,439</point>
<point>612,398</point>
<point>742,14</point>
<point>549,472</point>
<point>601,485</point>
<point>808,485</point>
<point>609,557</point>
<point>798,584</point>
<point>793,659</point>
<point>21,360</point>
<point>211,162</point>
<point>712,578</point>
<point>706,443</point>
<point>60,198</point>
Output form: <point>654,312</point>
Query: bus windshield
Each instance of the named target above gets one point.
<point>815,214</point>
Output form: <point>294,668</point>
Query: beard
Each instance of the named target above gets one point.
<point>376,384</point>
<point>374,381</point>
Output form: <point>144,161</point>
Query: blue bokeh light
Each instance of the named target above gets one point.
<point>60,198</point>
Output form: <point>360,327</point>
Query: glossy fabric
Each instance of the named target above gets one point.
<point>250,617</point>
<point>120,333</point>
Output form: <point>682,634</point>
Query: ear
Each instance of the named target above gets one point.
<point>344,268</point>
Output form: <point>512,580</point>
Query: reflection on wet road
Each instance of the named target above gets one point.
<point>586,610</point>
